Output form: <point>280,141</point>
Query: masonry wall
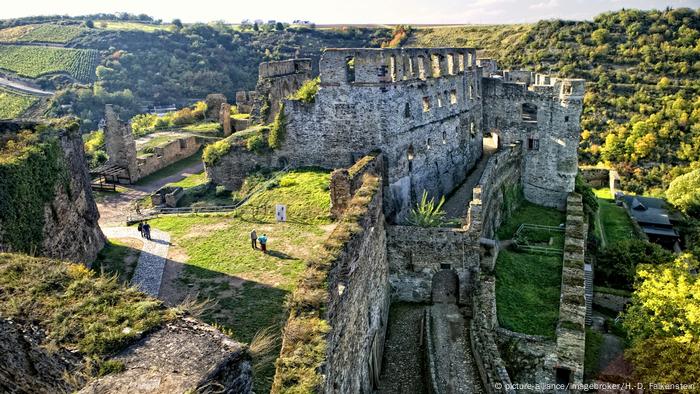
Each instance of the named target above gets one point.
<point>550,161</point>
<point>120,144</point>
<point>167,154</point>
<point>276,81</point>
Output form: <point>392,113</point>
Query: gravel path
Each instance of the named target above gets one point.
<point>148,274</point>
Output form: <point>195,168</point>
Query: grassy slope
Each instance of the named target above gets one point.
<point>614,220</point>
<point>13,105</point>
<point>48,32</point>
<point>492,39</point>
<point>528,285</point>
<point>119,257</point>
<point>248,286</point>
<point>77,309</point>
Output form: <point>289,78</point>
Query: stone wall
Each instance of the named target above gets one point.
<point>120,144</point>
<point>346,181</point>
<point>498,193</point>
<point>611,302</point>
<point>596,177</point>
<point>276,81</point>
<point>571,334</point>
<point>545,117</point>
<point>167,154</point>
<point>416,254</point>
<point>232,169</point>
<point>358,307</point>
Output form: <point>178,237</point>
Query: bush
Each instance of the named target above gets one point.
<point>278,130</point>
<point>307,91</point>
<point>256,144</point>
<point>617,264</point>
<point>684,193</point>
<point>213,152</point>
<point>590,202</point>
<point>222,191</point>
<point>427,213</point>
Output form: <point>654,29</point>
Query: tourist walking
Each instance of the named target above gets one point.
<point>140,227</point>
<point>254,239</point>
<point>263,243</point>
<point>147,231</point>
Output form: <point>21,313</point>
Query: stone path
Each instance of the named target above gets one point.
<point>457,205</point>
<point>149,269</point>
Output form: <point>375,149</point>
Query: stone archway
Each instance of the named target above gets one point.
<point>445,287</point>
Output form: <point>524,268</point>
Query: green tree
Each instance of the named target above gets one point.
<point>177,23</point>
<point>599,36</point>
<point>684,192</point>
<point>279,26</point>
<point>617,264</point>
<point>663,322</point>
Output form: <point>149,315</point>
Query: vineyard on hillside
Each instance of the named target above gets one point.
<point>14,104</point>
<point>34,61</point>
<point>49,33</point>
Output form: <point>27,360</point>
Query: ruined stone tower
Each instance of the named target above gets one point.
<point>276,81</point>
<point>119,142</point>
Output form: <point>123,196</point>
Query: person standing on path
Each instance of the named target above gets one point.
<point>140,227</point>
<point>147,231</point>
<point>263,243</point>
<point>254,239</point>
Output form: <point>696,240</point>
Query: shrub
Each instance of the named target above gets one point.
<point>616,265</point>
<point>278,130</point>
<point>256,144</point>
<point>213,152</point>
<point>590,202</point>
<point>221,191</point>
<point>427,213</point>
<point>684,192</point>
<point>307,91</point>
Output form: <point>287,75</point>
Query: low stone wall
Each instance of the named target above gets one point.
<point>571,334</point>
<point>498,193</point>
<point>167,154</point>
<point>232,169</point>
<point>610,301</point>
<point>596,177</point>
<point>530,358</point>
<point>346,181</point>
<point>416,253</point>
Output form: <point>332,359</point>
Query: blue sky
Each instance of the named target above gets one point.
<point>346,11</point>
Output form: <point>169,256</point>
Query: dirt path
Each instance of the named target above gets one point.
<point>22,87</point>
<point>115,207</point>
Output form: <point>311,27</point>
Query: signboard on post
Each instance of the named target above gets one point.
<point>281,213</point>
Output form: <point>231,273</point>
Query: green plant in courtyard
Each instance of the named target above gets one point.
<point>427,213</point>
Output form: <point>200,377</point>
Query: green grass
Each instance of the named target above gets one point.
<point>250,287</point>
<point>594,340</point>
<point>209,129</point>
<point>532,214</point>
<point>172,169</point>
<point>528,287</point>
<point>155,141</point>
<point>35,61</point>
<point>76,308</point>
<point>603,193</point>
<point>117,258</point>
<point>125,25</point>
<point>191,181</point>
<point>616,224</point>
<point>47,32</point>
<point>13,104</point>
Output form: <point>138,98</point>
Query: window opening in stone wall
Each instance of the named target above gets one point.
<point>409,156</point>
<point>407,111</point>
<point>439,101</point>
<point>453,97</point>
<point>460,59</point>
<point>392,68</point>
<point>411,68</point>
<point>472,128</point>
<point>421,67</point>
<point>435,63</point>
<point>471,91</point>
<point>427,144</point>
<point>404,65</point>
<point>426,104</point>
<point>350,69</point>
<point>444,137</point>
<point>533,143</point>
<point>470,59</point>
<point>444,266</point>
<point>183,143</point>
<point>566,118</point>
<point>568,89</point>
<point>529,112</point>
<point>451,64</point>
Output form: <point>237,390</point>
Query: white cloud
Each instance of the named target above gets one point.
<point>545,5</point>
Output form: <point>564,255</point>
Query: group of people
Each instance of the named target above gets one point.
<point>262,239</point>
<point>145,230</point>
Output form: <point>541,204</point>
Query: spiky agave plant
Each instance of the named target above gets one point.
<point>427,213</point>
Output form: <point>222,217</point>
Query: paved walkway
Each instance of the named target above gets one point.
<point>149,269</point>
<point>457,205</point>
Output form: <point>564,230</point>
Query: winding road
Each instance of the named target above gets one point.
<point>22,87</point>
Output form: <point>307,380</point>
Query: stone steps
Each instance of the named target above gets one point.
<point>588,291</point>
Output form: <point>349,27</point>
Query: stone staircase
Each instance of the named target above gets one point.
<point>588,291</point>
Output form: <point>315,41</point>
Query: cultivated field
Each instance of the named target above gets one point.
<point>14,104</point>
<point>35,61</point>
<point>49,33</point>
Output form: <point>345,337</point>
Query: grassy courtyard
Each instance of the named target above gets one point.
<point>528,285</point>
<point>248,287</point>
<point>614,224</point>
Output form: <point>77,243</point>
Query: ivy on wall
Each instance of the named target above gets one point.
<point>28,180</point>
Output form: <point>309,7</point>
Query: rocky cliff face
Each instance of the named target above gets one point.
<point>71,229</point>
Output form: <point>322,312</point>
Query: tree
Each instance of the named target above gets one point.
<point>663,322</point>
<point>256,27</point>
<point>178,23</point>
<point>684,192</point>
<point>599,36</point>
<point>617,264</point>
<point>279,26</point>
<point>89,24</point>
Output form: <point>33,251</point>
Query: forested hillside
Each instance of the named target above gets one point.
<point>642,110</point>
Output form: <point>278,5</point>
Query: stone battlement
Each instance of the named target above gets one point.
<point>284,68</point>
<point>389,65</point>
